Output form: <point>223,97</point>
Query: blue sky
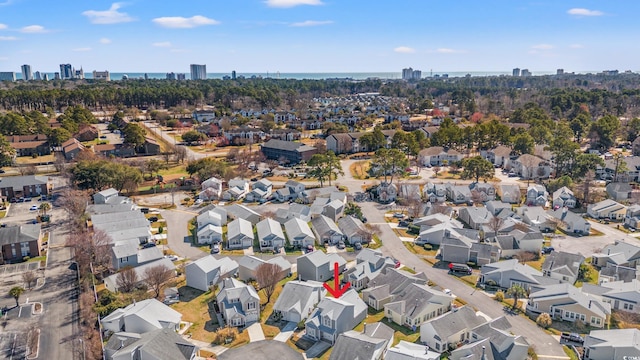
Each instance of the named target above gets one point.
<point>319,35</point>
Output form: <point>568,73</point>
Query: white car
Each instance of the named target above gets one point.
<point>448,292</point>
<point>33,208</point>
<point>198,202</point>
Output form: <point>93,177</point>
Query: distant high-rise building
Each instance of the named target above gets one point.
<point>171,76</point>
<point>56,76</point>
<point>198,72</point>
<point>27,75</point>
<point>78,74</point>
<point>516,72</point>
<point>146,76</point>
<point>45,77</point>
<point>525,72</point>
<point>101,75</point>
<point>182,77</point>
<point>560,72</point>
<point>233,75</point>
<point>37,75</point>
<point>410,74</point>
<point>66,71</point>
<point>7,76</point>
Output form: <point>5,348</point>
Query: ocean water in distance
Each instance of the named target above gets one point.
<point>313,76</point>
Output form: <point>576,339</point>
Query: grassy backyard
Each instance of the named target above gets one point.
<point>197,309</point>
<point>360,170</point>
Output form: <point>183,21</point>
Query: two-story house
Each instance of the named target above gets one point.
<point>298,299</point>
<point>563,197</point>
<point>334,316</point>
<point>319,266</point>
<point>270,235</point>
<point>536,195</point>
<point>260,190</point>
<point>239,303</point>
<point>612,344</point>
<point>563,266</point>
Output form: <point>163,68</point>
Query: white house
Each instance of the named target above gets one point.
<point>141,317</point>
<point>208,271</point>
<point>238,189</point>
<point>216,216</point>
<point>239,234</point>
<point>607,209</point>
<point>299,233</point>
<point>563,197</point>
<point>239,303</point>
<point>211,189</point>
<point>209,234</point>
<point>298,299</point>
<point>270,235</point>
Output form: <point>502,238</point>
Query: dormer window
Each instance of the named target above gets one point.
<point>326,321</point>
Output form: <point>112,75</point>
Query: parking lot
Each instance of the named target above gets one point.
<point>17,269</point>
<point>13,345</point>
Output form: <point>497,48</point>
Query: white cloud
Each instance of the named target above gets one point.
<point>311,23</point>
<point>8,38</point>
<point>291,3</point>
<point>82,49</point>
<point>162,44</point>
<point>111,16</point>
<point>446,51</point>
<point>179,22</point>
<point>105,41</point>
<point>404,50</point>
<point>542,47</point>
<point>3,26</point>
<point>584,12</point>
<point>576,46</point>
<point>8,2</point>
<point>34,29</point>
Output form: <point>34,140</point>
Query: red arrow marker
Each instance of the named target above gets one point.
<point>338,291</point>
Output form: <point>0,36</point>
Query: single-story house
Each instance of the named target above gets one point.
<point>208,271</point>
<point>298,299</point>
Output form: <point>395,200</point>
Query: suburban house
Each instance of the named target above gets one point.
<point>343,143</point>
<point>128,254</point>
<point>293,211</point>
<point>632,216</point>
<point>529,166</point>
<point>299,233</point>
<point>458,194</point>
<point>495,207</point>
<point>291,191</point>
<point>211,189</point>
<point>210,225</point>
<point>319,266</point>
<point>612,344</point>
<point>86,133</point>
<point>155,345</point>
<point>111,281</point>
<point>105,196</point>
<point>607,209</point>
<point>506,273</point>
<point>439,156</point>
<point>434,234</point>
<point>537,218</point>
<point>389,283</point>
<point>495,338</point>
<point>405,350</point>
<point>331,208</point>
<point>248,267</point>
<point>326,230</point>
<point>18,242</point>
<point>387,192</point>
<point>270,235</point>
<point>621,295</point>
<point>619,253</point>
<point>612,273</point>
<point>334,316</point>
<point>457,248</point>
<point>509,193</point>
<point>239,234</point>
<point>369,264</point>
<point>416,305</point>
<point>14,187</point>
<point>209,234</point>
<point>353,230</point>
<point>619,191</point>
<point>71,148</point>
<point>238,189</point>
<point>570,222</point>
<point>450,329</point>
<point>562,266</point>
<point>142,317</point>
<point>214,215</point>
<point>239,303</point>
<point>260,190</point>
<point>563,197</point>
<point>566,302</point>
<point>434,193</point>
<point>428,221</point>
<point>474,216</point>
<point>498,156</point>
<point>298,299</point>
<point>208,271</point>
<point>517,241</point>
<point>536,195</point>
<point>287,151</point>
<point>355,345</point>
<point>482,192</point>
<point>238,211</point>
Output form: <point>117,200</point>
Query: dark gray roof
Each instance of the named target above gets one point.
<point>563,262</point>
<point>19,233</point>
<point>353,345</point>
<point>161,344</point>
<point>350,226</point>
<point>287,145</point>
<point>324,225</point>
<point>18,182</point>
<point>454,321</point>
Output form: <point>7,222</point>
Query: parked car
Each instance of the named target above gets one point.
<point>254,179</point>
<point>27,199</point>
<point>512,174</point>
<point>357,246</point>
<point>276,250</point>
<point>403,223</point>
<point>397,263</point>
<point>572,337</point>
<point>148,245</point>
<point>153,219</point>
<point>308,249</point>
<point>547,249</point>
<point>198,202</point>
<point>144,210</point>
<point>33,208</point>
<point>398,215</point>
<point>341,245</point>
<point>215,248</point>
<point>171,257</point>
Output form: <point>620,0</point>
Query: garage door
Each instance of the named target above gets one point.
<point>293,317</point>
<point>327,336</point>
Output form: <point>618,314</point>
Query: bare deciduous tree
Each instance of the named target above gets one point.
<point>267,276</point>
<point>476,197</point>
<point>414,207</point>
<point>180,153</point>
<point>526,256</point>
<point>156,276</point>
<point>29,279</point>
<point>127,279</point>
<point>495,224</point>
<point>101,251</point>
<point>74,203</point>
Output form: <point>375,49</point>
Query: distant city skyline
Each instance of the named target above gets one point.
<point>307,36</point>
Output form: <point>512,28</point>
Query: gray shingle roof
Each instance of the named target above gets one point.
<point>159,344</point>
<point>352,345</point>
<point>18,182</point>
<point>19,233</point>
<point>563,262</point>
<point>324,226</point>
<point>454,321</point>
<point>350,226</point>
<point>268,227</point>
<point>296,293</point>
<point>239,227</point>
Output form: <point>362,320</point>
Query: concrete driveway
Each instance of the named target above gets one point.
<point>263,350</point>
<point>589,245</point>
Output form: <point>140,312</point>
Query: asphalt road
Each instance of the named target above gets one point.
<point>545,345</point>
<point>177,236</point>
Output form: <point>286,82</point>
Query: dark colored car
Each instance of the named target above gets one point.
<point>153,219</point>
<point>308,249</point>
<point>341,245</point>
<point>403,223</point>
<point>572,337</point>
<point>215,248</point>
<point>357,246</point>
<point>144,210</point>
<point>547,249</point>
<point>148,245</point>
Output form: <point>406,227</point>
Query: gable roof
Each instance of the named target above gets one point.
<point>17,183</point>
<point>296,227</point>
<point>296,293</point>
<point>354,345</point>
<point>268,227</point>
<point>450,323</point>
<point>19,233</point>
<point>613,339</point>
<point>210,263</point>
<point>324,225</point>
<point>150,310</point>
<point>161,344</point>
<point>563,263</point>
<point>239,226</point>
<point>564,292</point>
<point>350,226</point>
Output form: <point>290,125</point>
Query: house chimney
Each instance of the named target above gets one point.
<point>484,357</point>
